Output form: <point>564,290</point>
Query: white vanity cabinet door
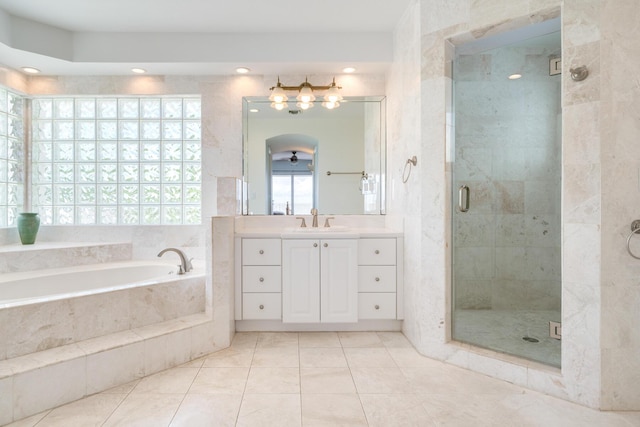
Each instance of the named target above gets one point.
<point>374,305</point>
<point>261,278</point>
<point>377,278</point>
<point>259,306</point>
<point>377,252</point>
<point>339,281</point>
<point>300,281</point>
<point>261,252</point>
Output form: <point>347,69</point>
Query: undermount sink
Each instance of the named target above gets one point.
<point>332,229</point>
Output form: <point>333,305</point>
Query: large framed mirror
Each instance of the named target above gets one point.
<point>332,160</point>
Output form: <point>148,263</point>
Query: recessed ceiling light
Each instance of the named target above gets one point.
<point>254,110</point>
<point>348,70</point>
<point>139,70</point>
<point>242,70</point>
<point>30,70</point>
<point>515,76</point>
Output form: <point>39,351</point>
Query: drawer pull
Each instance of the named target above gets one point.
<point>261,307</point>
<point>315,245</point>
<point>377,307</point>
<point>261,279</point>
<point>261,252</point>
<point>325,245</point>
<point>377,279</point>
<point>377,252</point>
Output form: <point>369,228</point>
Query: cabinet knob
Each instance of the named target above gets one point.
<point>261,252</point>
<point>315,245</point>
<point>325,245</point>
<point>377,279</point>
<point>261,279</point>
<point>377,252</point>
<point>261,307</point>
<point>377,307</point>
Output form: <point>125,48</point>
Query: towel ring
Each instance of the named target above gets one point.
<point>635,229</point>
<point>412,161</point>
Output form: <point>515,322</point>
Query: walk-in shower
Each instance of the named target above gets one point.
<point>506,171</point>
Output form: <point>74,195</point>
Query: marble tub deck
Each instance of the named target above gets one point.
<point>322,378</point>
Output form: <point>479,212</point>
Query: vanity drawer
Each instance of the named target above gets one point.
<point>377,252</point>
<point>374,278</point>
<point>261,252</point>
<point>262,306</point>
<point>375,305</point>
<point>261,278</point>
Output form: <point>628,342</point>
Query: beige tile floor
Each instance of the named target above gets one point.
<point>322,379</point>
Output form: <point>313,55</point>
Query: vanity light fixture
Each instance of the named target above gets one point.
<point>305,96</point>
<point>30,70</point>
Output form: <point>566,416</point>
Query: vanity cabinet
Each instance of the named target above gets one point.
<point>319,280</point>
<point>261,279</point>
<point>377,278</point>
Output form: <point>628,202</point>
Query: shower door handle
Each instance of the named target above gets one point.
<point>463,198</point>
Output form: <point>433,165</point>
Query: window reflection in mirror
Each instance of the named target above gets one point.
<point>332,160</point>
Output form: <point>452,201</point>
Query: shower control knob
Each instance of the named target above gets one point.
<point>261,307</point>
<point>377,307</point>
<point>261,279</point>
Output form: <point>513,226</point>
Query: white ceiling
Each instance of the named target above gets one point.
<point>198,36</point>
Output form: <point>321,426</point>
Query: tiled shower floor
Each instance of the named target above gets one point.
<point>504,330</point>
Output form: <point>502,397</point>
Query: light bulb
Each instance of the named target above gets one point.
<point>279,105</point>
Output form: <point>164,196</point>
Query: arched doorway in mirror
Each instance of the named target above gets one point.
<point>292,165</point>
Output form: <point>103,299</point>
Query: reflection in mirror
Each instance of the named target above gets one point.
<point>332,160</point>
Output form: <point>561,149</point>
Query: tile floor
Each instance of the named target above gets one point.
<point>322,379</point>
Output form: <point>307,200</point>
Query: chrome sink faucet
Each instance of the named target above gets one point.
<point>185,263</point>
<point>314,212</point>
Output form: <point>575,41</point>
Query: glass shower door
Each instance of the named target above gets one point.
<point>506,213</point>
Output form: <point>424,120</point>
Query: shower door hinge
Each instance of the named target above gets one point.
<point>555,330</point>
<point>555,66</point>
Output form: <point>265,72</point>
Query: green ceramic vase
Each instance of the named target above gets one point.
<point>28,225</point>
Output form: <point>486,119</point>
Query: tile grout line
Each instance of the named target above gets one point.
<point>189,388</point>
<point>244,390</point>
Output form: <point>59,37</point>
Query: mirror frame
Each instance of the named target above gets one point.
<point>382,191</point>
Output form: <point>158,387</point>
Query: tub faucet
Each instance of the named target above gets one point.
<point>185,263</point>
<point>314,212</point>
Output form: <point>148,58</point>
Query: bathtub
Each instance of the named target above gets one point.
<point>44,309</point>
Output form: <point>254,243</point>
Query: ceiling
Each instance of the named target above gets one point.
<point>198,36</point>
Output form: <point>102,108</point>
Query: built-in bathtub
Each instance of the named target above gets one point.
<point>44,309</point>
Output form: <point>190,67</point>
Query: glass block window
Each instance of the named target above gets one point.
<point>11,156</point>
<point>119,160</point>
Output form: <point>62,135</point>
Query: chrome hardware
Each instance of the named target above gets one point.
<point>261,279</point>
<point>326,221</point>
<point>261,252</point>
<point>463,198</point>
<point>377,252</point>
<point>635,229</point>
<point>377,279</point>
<point>261,307</point>
<point>303,224</point>
<point>326,245</point>
<point>315,245</point>
<point>185,262</point>
<point>377,307</point>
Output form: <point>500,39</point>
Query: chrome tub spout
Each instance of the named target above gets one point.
<point>185,263</point>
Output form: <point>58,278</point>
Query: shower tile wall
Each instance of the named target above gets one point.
<point>508,153</point>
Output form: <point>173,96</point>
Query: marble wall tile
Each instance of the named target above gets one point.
<point>65,382</point>
<point>114,367</point>
<point>6,401</point>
